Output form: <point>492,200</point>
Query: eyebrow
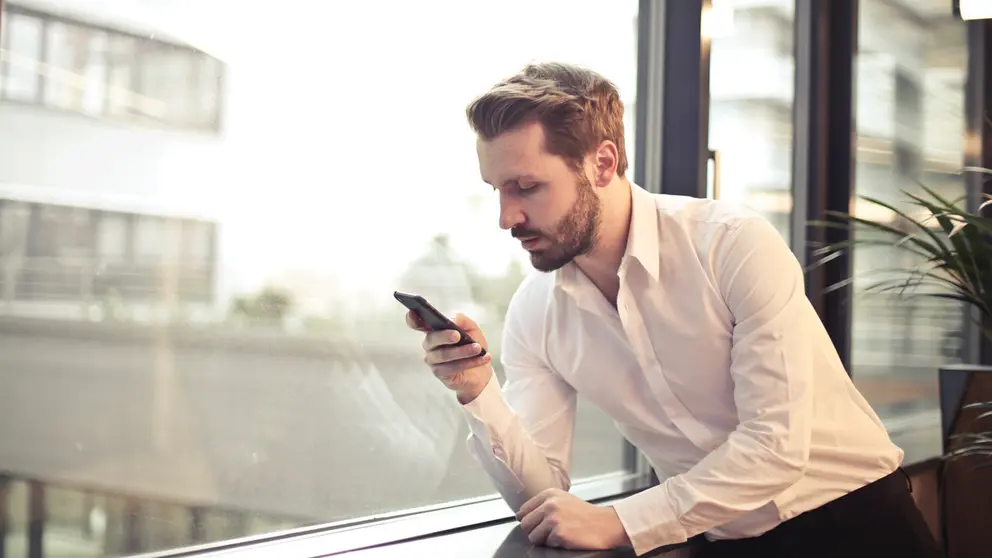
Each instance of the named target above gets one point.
<point>518,178</point>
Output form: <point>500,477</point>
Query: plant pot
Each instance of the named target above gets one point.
<point>966,493</point>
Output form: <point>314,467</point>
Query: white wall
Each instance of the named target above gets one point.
<point>50,150</point>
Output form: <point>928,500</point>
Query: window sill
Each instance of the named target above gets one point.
<point>479,527</point>
<point>420,524</point>
<point>489,520</point>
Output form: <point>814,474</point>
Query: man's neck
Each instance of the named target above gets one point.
<point>602,263</point>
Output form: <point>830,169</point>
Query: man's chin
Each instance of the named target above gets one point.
<point>542,261</point>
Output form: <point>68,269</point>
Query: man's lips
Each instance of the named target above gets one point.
<point>529,242</point>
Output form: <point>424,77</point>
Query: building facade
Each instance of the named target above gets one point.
<point>107,133</point>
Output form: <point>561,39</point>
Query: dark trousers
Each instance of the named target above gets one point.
<point>877,520</point>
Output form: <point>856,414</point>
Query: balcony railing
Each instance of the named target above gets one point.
<point>40,517</point>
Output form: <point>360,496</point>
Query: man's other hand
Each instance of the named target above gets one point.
<point>560,519</point>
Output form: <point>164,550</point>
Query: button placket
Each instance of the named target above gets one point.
<point>640,342</point>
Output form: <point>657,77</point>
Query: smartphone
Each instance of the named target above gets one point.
<point>433,317</point>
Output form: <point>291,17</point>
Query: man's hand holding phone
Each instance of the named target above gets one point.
<point>460,368</point>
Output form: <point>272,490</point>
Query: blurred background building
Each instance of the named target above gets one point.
<point>107,128</point>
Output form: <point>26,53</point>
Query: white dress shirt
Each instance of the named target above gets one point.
<point>713,364</point>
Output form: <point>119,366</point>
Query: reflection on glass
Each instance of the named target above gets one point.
<point>911,67</point>
<point>197,335</point>
<point>751,90</point>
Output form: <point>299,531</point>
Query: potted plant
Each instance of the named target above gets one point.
<point>950,249</point>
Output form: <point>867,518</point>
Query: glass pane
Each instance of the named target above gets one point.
<point>112,239</point>
<point>752,70</point>
<point>123,57</point>
<point>167,82</point>
<point>76,76</point>
<point>149,239</point>
<point>22,56</point>
<point>224,356</point>
<point>4,18</point>
<point>207,96</point>
<point>911,68</point>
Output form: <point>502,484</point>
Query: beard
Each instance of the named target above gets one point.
<point>573,235</point>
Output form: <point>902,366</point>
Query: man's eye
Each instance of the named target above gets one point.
<point>529,188</point>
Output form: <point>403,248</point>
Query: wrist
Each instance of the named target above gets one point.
<point>620,536</point>
<point>474,389</point>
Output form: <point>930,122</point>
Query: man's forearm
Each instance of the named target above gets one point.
<point>507,452</point>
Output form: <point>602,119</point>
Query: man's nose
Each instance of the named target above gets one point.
<point>510,215</point>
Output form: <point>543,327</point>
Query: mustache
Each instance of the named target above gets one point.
<point>524,233</point>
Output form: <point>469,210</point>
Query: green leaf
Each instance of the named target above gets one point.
<point>948,249</point>
<point>934,249</point>
<point>968,452</point>
<point>977,405</point>
<point>981,437</point>
<point>923,228</point>
<point>942,214</point>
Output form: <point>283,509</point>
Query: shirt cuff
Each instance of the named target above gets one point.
<point>488,414</point>
<point>650,520</point>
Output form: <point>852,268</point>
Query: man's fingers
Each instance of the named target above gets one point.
<point>413,321</point>
<point>464,322</point>
<point>452,353</point>
<point>531,520</point>
<point>554,540</point>
<point>436,339</point>
<point>543,530</point>
<point>531,505</point>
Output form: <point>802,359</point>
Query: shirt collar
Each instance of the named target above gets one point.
<point>642,240</point>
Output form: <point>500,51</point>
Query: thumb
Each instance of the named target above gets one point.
<point>466,323</point>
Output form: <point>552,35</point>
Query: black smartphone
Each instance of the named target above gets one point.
<point>433,317</point>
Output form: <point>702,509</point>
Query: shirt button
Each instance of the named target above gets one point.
<point>499,453</point>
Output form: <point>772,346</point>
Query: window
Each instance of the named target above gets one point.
<point>77,68</point>
<point>910,75</point>
<point>237,365</point>
<point>111,238</point>
<point>100,70</point>
<point>149,240</point>
<point>4,50</point>
<point>121,97</point>
<point>208,75</point>
<point>751,91</point>
<point>14,220</point>
<point>167,81</point>
<point>22,55</point>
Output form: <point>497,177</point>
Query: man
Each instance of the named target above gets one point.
<point>684,319</point>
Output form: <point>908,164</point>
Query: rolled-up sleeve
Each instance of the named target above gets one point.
<point>771,367</point>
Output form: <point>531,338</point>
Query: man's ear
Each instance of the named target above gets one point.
<point>605,158</point>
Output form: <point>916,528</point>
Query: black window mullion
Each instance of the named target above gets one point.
<point>826,38</point>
